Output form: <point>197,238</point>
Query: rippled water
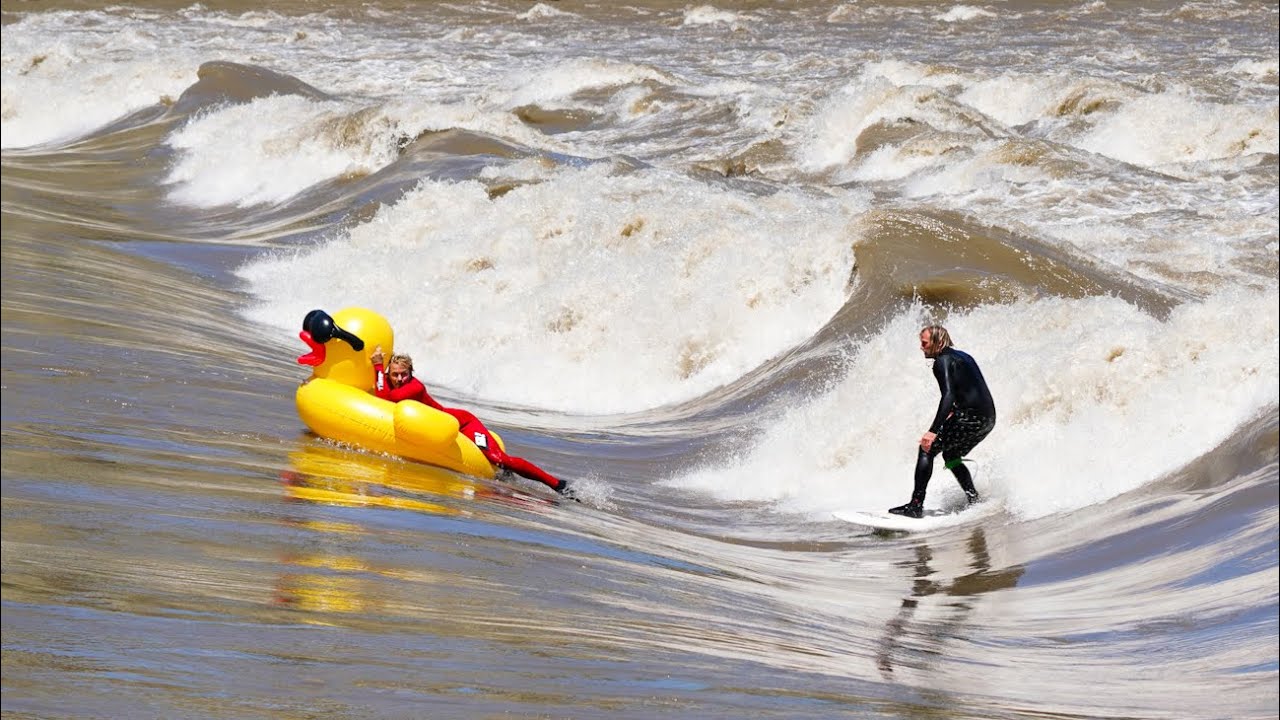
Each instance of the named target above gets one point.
<point>677,254</point>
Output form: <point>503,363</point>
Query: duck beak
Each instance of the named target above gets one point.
<point>316,356</point>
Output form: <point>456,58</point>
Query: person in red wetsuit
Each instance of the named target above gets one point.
<point>397,383</point>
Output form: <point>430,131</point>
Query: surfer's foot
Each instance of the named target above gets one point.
<point>564,489</point>
<point>911,509</point>
<point>972,496</point>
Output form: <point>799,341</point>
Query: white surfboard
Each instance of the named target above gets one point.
<point>933,519</point>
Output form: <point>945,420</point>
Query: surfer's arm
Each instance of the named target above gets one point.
<point>380,383</point>
<point>424,397</point>
<point>943,371</point>
<point>411,390</point>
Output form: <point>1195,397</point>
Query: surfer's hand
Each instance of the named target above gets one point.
<point>926,441</point>
<point>376,357</point>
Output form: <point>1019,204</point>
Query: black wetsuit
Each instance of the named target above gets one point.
<point>966,415</point>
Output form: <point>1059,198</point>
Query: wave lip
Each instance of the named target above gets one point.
<point>944,258</point>
<point>220,82</point>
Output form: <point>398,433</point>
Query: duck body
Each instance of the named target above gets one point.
<point>337,403</point>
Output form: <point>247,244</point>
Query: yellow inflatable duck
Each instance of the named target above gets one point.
<point>337,402</point>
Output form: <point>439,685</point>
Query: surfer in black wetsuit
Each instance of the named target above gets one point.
<point>966,414</point>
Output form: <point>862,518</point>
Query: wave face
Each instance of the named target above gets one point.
<point>678,254</point>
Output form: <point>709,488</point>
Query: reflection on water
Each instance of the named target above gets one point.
<point>330,581</point>
<point>321,473</point>
<point>327,475</point>
<point>902,642</point>
<point>327,578</point>
<point>325,592</point>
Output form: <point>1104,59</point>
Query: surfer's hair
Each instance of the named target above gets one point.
<point>401,359</point>
<point>939,338</point>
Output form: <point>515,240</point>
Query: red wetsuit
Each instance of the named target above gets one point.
<point>468,424</point>
<point>412,389</point>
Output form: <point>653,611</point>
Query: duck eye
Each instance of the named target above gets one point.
<point>320,325</point>
<point>323,329</point>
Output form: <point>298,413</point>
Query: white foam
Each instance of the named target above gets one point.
<point>273,148</point>
<point>830,140</point>
<point>542,11</point>
<point>903,73</point>
<point>1171,127</point>
<point>708,15</point>
<point>1095,398</point>
<point>270,149</point>
<point>58,88</point>
<point>927,152</point>
<point>964,13</point>
<point>1169,130</point>
<point>553,85</point>
<point>1014,99</point>
<point>1258,69</point>
<point>588,292</point>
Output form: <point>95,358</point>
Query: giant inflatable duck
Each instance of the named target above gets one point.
<point>336,402</point>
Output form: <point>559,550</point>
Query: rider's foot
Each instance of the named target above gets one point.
<point>972,496</point>
<point>911,509</point>
<point>567,491</point>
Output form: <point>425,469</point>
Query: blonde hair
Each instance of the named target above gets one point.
<point>400,359</point>
<point>939,338</point>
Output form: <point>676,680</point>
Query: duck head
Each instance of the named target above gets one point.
<point>341,343</point>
